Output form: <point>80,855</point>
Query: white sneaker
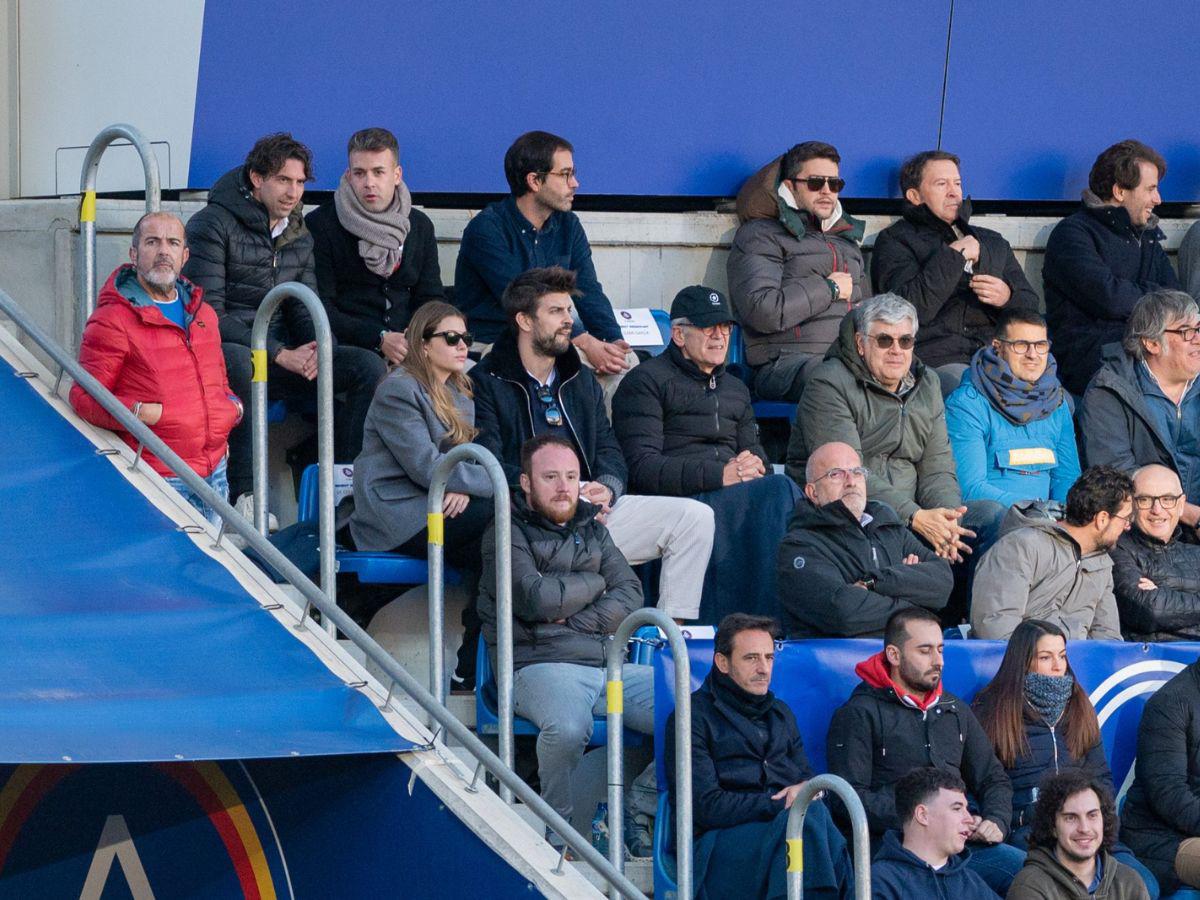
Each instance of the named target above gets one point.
<point>245,508</point>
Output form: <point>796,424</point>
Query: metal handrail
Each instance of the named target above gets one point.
<point>795,832</point>
<point>502,518</point>
<point>398,676</point>
<point>683,743</point>
<point>258,397</point>
<point>87,206</point>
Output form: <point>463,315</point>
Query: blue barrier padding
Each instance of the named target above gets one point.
<point>123,641</point>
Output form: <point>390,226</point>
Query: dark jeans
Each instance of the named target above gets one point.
<point>784,378</point>
<point>356,372</point>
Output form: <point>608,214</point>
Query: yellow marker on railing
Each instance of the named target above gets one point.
<point>795,855</point>
<point>616,697</point>
<point>434,523</point>
<point>87,208</point>
<point>258,359</point>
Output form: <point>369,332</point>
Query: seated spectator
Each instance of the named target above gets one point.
<point>959,276</point>
<point>1156,575</point>
<point>154,343</point>
<point>1070,855</point>
<point>1143,406</point>
<point>748,765</point>
<point>1009,420</point>
<point>250,237</point>
<point>376,256</point>
<point>533,383</point>
<point>1161,818</point>
<point>901,718</point>
<point>571,589</point>
<point>687,428</point>
<point>535,228</point>
<point>1041,722</point>
<point>873,394</point>
<point>794,274</point>
<point>929,859</point>
<point>847,563</point>
<point>1057,571</point>
<point>420,411</point>
<point>1101,259</point>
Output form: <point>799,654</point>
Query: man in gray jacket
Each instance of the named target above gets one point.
<point>792,277</point>
<point>571,589</point>
<point>1059,572</point>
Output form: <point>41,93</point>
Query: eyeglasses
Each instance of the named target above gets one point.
<point>554,416</point>
<point>1041,348</point>
<point>1166,501</point>
<point>1188,334</point>
<point>815,182</point>
<point>453,337</point>
<point>885,341</point>
<point>564,174</point>
<point>1128,520</point>
<point>837,476</point>
<point>710,330</point>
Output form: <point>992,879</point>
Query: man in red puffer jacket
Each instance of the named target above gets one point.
<point>156,345</point>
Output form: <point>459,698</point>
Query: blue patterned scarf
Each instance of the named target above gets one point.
<point>1019,401</point>
<point>1048,694</point>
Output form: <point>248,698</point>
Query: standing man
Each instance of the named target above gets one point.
<point>1103,258</point>
<point>794,276</point>
<point>376,256</point>
<point>249,238</point>
<point>959,276</point>
<point>155,344</point>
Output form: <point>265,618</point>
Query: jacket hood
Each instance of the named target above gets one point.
<point>116,290</point>
<point>1015,519</point>
<point>689,368</point>
<point>232,191</point>
<point>1117,217</point>
<point>846,350</point>
<point>808,515</point>
<point>922,216</point>
<point>797,221</point>
<point>584,513</point>
<point>504,360</point>
<point>1044,861</point>
<point>892,848</point>
<point>874,673</point>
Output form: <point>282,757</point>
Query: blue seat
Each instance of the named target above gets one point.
<point>277,411</point>
<point>664,847</point>
<point>736,365</point>
<point>370,566</point>
<point>663,320</point>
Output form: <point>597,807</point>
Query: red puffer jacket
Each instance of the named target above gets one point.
<point>135,352</point>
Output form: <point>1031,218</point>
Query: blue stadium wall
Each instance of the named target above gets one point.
<point>672,98</point>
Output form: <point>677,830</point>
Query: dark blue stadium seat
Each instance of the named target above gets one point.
<point>663,320</point>
<point>735,363</point>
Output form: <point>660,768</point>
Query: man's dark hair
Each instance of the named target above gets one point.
<point>895,632</point>
<point>524,291</point>
<point>269,154</point>
<point>1054,792</point>
<point>735,623</point>
<point>531,152</point>
<point>1119,165</point>
<point>1017,315</point>
<point>795,158</point>
<point>912,170</point>
<point>373,140</point>
<point>1100,488</point>
<point>922,785</point>
<point>534,444</point>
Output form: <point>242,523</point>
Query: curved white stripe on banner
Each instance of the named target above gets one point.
<point>1126,784</point>
<point>1142,687</point>
<point>1150,665</point>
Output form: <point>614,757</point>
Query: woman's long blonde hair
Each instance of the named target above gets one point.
<point>424,322</point>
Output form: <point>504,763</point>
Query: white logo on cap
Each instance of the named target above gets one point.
<point>714,298</point>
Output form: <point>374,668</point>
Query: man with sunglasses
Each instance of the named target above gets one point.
<point>1156,576</point>
<point>848,563</point>
<point>959,276</point>
<point>1143,405</point>
<point>794,275</point>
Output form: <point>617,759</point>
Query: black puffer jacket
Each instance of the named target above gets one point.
<point>825,552</point>
<point>1169,612</point>
<point>1163,806</point>
<point>679,427</point>
<point>236,262</point>
<point>571,588</point>
<point>912,258</point>
<point>359,303</point>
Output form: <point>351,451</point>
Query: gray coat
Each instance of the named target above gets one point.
<point>402,444</point>
<point>1036,571</point>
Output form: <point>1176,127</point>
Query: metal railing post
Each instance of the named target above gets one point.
<point>258,394</point>
<point>394,673</point>
<point>795,832</point>
<point>87,206</point>
<point>437,586</point>
<point>683,743</point>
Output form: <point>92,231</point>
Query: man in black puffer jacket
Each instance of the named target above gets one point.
<point>958,276</point>
<point>249,238</point>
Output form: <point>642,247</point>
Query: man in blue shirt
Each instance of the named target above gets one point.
<point>535,228</point>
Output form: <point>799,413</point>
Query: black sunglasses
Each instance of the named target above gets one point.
<point>453,337</point>
<point>815,182</point>
<point>554,416</point>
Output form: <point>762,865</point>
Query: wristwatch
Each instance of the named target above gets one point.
<point>868,582</point>
<point>382,334</point>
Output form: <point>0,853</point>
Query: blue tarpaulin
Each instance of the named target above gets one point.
<point>121,641</point>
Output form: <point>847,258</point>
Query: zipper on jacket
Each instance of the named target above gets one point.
<point>1054,742</point>
<point>712,386</point>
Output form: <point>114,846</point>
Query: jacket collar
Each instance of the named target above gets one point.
<point>510,208</point>
<point>1116,218</point>
<point>874,672</point>
<point>797,221</point>
<point>836,516</point>
<point>1136,534</point>
<point>505,360</point>
<point>111,292</point>
<point>922,216</point>
<point>584,513</point>
<point>1118,373</point>
<point>232,191</point>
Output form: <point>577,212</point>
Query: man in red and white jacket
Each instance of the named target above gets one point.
<point>156,345</point>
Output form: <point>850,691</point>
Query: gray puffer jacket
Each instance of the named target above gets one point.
<point>778,281</point>
<point>571,588</point>
<point>901,439</point>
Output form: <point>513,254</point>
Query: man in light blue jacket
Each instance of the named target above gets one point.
<point>1009,421</point>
